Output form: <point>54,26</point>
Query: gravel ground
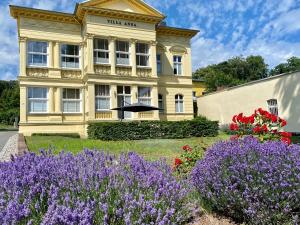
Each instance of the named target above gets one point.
<point>10,148</point>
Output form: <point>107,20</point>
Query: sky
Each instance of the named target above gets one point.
<point>228,28</point>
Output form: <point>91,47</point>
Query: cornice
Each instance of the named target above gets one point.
<point>173,31</point>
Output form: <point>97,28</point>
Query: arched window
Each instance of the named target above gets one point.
<point>160,103</point>
<point>179,103</point>
<point>273,106</point>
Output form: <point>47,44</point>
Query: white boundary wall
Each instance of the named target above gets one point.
<point>246,98</point>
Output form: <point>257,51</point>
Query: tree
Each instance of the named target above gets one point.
<point>232,72</point>
<point>292,64</point>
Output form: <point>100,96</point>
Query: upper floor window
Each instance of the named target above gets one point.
<point>70,56</point>
<point>142,54</point>
<point>159,65</point>
<point>144,95</point>
<point>102,94</point>
<point>37,100</point>
<point>101,52</point>
<point>71,100</point>
<point>122,52</point>
<point>273,106</point>
<point>160,103</point>
<point>37,53</point>
<point>177,64</point>
<point>179,103</point>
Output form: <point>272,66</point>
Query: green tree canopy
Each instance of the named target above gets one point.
<point>292,64</point>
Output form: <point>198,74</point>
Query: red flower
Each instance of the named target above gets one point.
<point>283,122</point>
<point>286,134</point>
<point>251,119</point>
<point>264,128</point>
<point>178,162</point>
<point>239,118</point>
<point>233,127</point>
<point>187,148</point>
<point>257,129</point>
<point>274,118</point>
<point>286,140</point>
<point>234,118</point>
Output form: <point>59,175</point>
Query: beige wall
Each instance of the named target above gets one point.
<point>285,88</point>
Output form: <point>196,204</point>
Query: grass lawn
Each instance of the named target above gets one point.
<point>4,127</point>
<point>150,149</point>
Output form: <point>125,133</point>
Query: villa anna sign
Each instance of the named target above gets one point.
<point>121,23</point>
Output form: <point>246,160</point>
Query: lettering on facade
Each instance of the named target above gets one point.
<point>121,23</point>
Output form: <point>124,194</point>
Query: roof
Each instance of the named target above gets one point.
<point>167,30</point>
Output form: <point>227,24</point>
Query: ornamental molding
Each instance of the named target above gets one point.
<point>23,39</point>
<point>161,47</point>
<point>178,49</point>
<point>37,72</point>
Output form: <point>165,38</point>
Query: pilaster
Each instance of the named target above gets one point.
<point>50,55</point>
<point>114,103</point>
<point>90,53</point>
<point>56,55</point>
<point>153,59</point>
<point>112,54</point>
<point>134,90</point>
<point>154,102</point>
<point>58,99</point>
<point>133,56</point>
<point>51,100</point>
<point>91,100</point>
<point>23,56</point>
<point>23,104</point>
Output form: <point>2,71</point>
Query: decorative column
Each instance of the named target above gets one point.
<point>23,56</point>
<point>56,55</point>
<point>23,104</point>
<point>50,56</point>
<point>58,100</point>
<point>82,58</point>
<point>112,54</point>
<point>153,59</point>
<point>51,100</point>
<point>154,96</point>
<point>134,91</point>
<point>90,53</point>
<point>133,56</point>
<point>114,101</point>
<point>91,101</point>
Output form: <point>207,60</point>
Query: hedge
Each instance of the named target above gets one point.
<point>138,130</point>
<point>8,117</point>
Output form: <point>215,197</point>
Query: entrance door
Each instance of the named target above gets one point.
<point>124,98</point>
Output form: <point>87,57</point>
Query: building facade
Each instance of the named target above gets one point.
<point>279,95</point>
<point>74,68</point>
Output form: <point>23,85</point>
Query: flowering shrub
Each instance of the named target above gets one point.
<point>265,125</point>
<point>258,183</point>
<point>90,188</point>
<point>187,160</point>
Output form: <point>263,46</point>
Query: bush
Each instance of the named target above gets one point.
<point>90,188</point>
<point>198,127</point>
<point>252,182</point>
<point>8,117</point>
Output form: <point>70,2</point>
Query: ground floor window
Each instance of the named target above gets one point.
<point>37,100</point>
<point>71,100</point>
<point>160,103</point>
<point>102,93</point>
<point>179,103</point>
<point>144,95</point>
<point>273,106</point>
<point>124,98</point>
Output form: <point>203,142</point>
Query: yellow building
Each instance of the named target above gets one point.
<point>199,88</point>
<point>75,67</point>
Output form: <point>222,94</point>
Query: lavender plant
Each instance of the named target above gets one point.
<point>90,188</point>
<point>258,183</point>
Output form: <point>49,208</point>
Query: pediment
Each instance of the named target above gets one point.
<point>131,6</point>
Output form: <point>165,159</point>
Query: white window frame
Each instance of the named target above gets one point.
<point>159,62</point>
<point>142,54</point>
<point>122,52</point>
<point>37,53</point>
<point>124,95</point>
<point>44,100</point>
<point>97,60</point>
<point>177,65</point>
<point>273,106</point>
<point>141,99</point>
<point>179,101</point>
<point>70,56</point>
<point>161,103</point>
<point>72,100</point>
<point>103,97</point>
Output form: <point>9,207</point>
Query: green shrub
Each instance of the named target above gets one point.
<point>137,130</point>
<point>8,116</point>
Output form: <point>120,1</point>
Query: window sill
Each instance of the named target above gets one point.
<point>103,110</point>
<point>144,67</point>
<point>121,65</point>
<point>71,113</point>
<point>102,64</point>
<point>72,69</point>
<point>37,67</point>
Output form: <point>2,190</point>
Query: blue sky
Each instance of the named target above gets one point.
<point>228,28</point>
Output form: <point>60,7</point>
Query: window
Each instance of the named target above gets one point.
<point>273,106</point>
<point>71,100</point>
<point>37,100</point>
<point>160,103</point>
<point>37,53</point>
<point>122,51</point>
<point>179,103</point>
<point>142,54</point>
<point>194,96</point>
<point>101,52</point>
<point>123,99</point>
<point>177,64</point>
<point>69,56</point>
<point>102,93</point>
<point>144,95</point>
<point>159,66</point>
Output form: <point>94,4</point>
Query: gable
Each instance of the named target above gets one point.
<point>131,6</point>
